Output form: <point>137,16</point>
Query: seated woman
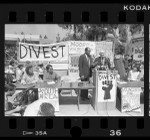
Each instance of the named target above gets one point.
<point>29,77</point>
<point>50,75</point>
<point>19,72</point>
<point>134,74</point>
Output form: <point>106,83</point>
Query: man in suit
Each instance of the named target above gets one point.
<point>102,62</point>
<point>85,70</point>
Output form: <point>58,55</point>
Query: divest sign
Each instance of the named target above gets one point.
<point>48,52</point>
<point>106,87</point>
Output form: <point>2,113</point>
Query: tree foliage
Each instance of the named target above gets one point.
<point>97,32</point>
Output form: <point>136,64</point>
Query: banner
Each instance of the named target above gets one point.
<point>78,47</point>
<point>51,95</point>
<point>57,52</point>
<point>130,97</point>
<point>106,87</point>
<point>107,48</point>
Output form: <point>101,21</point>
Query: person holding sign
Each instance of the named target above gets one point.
<point>102,62</point>
<point>50,75</point>
<point>29,76</point>
<point>85,70</point>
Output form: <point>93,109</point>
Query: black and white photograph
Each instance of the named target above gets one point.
<point>74,70</point>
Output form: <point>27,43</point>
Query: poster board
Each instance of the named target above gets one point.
<point>106,87</point>
<point>51,95</point>
<point>77,48</point>
<point>137,45</point>
<point>130,99</point>
<point>73,67</point>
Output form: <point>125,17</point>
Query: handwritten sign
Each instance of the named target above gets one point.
<point>57,52</point>
<point>51,95</point>
<point>130,98</point>
<point>106,87</point>
<point>78,47</point>
<point>137,46</point>
<point>138,54</point>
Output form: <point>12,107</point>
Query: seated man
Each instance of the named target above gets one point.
<point>40,108</point>
<point>50,75</point>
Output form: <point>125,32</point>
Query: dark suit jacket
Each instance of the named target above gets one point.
<point>84,68</point>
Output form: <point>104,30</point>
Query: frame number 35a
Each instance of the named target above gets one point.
<point>115,132</point>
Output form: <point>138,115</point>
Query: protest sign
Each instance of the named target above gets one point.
<point>57,52</point>
<point>78,47</point>
<point>51,95</point>
<point>138,49</point>
<point>130,98</point>
<point>73,67</point>
<point>138,54</point>
<point>106,87</point>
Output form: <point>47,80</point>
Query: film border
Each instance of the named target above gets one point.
<point>58,10</point>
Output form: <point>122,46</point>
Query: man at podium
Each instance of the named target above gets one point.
<point>102,62</point>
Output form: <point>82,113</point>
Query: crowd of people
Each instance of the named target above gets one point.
<point>27,74</point>
<point>126,68</point>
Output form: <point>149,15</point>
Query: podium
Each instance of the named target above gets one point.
<point>105,91</point>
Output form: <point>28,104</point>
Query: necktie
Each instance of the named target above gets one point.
<point>88,59</point>
<point>89,62</point>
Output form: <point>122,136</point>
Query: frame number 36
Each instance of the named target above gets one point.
<point>115,132</point>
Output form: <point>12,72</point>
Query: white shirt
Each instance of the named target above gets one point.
<point>134,75</point>
<point>41,72</point>
<point>33,108</point>
<point>18,74</point>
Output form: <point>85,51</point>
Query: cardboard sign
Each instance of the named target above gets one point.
<point>57,52</point>
<point>106,87</point>
<point>130,99</point>
<point>73,67</point>
<point>51,95</point>
<point>138,54</point>
<point>138,49</point>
